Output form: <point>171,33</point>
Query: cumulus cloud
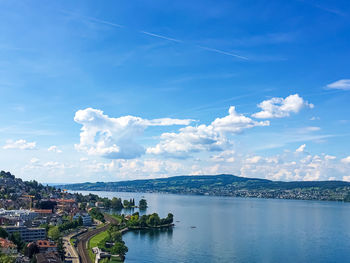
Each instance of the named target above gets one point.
<point>346,160</point>
<point>301,148</point>
<point>211,137</point>
<point>342,84</point>
<point>54,149</point>
<point>281,107</point>
<point>114,138</point>
<point>20,144</point>
<point>291,167</point>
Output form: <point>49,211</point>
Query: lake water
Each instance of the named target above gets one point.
<point>241,230</point>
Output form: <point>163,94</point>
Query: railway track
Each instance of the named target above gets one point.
<point>84,239</point>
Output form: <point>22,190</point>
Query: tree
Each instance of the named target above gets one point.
<point>31,249</point>
<point>116,236</point>
<point>54,233</point>
<point>170,218</point>
<point>60,248</point>
<point>6,259</point>
<point>116,203</point>
<point>3,233</point>
<point>17,240</point>
<point>80,221</point>
<point>126,203</point>
<point>153,220</point>
<point>143,204</point>
<point>120,249</point>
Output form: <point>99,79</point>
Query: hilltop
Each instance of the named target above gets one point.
<point>227,185</point>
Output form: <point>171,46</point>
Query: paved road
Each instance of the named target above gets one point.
<point>71,251</point>
<point>84,239</point>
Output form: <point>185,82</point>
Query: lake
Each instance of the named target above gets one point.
<point>226,229</point>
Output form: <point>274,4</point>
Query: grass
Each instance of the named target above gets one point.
<point>94,241</point>
<point>72,241</point>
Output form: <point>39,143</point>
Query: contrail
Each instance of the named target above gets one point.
<point>222,52</point>
<point>158,36</point>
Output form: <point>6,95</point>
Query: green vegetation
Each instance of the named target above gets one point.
<point>95,213</point>
<point>229,185</point>
<point>112,242</point>
<point>149,221</point>
<point>143,204</point>
<point>7,259</point>
<point>3,233</point>
<point>129,204</point>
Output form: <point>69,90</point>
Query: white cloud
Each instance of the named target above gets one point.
<point>301,148</point>
<point>114,138</point>
<point>279,107</point>
<point>254,159</point>
<point>211,137</point>
<point>54,149</point>
<point>20,144</point>
<point>291,167</point>
<point>346,178</point>
<point>346,160</point>
<point>225,156</point>
<point>342,84</point>
<point>330,157</point>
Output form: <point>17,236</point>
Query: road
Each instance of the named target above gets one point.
<point>71,254</point>
<point>84,239</point>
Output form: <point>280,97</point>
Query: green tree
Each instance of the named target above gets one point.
<point>116,203</point>
<point>6,259</point>
<point>31,250</point>
<point>54,233</point>
<point>120,249</point>
<point>3,233</point>
<point>126,203</point>
<point>17,240</point>
<point>143,204</point>
<point>116,236</point>
<point>153,220</point>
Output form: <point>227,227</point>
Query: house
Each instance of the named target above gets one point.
<point>47,258</point>
<point>7,246</point>
<point>43,212</point>
<point>46,246</point>
<point>66,205</point>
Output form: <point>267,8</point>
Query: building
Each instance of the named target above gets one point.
<point>7,246</point>
<point>47,258</point>
<point>87,220</point>
<point>46,246</point>
<point>18,215</point>
<point>43,212</point>
<point>66,205</point>
<point>27,234</point>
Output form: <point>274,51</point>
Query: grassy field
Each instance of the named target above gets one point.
<point>94,241</point>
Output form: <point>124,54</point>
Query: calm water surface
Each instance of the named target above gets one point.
<point>240,230</point>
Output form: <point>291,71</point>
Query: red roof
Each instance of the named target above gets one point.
<point>45,244</point>
<point>6,243</point>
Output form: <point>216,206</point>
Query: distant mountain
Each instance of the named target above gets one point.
<point>227,185</point>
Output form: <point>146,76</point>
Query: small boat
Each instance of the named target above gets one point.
<point>193,227</point>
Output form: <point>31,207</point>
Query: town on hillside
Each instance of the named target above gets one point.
<point>46,224</point>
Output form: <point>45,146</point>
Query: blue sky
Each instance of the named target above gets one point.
<point>117,90</point>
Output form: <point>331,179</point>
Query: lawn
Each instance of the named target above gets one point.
<point>94,241</point>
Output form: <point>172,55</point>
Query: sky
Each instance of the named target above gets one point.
<point>121,90</point>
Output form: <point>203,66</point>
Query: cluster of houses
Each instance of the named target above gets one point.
<point>27,223</point>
